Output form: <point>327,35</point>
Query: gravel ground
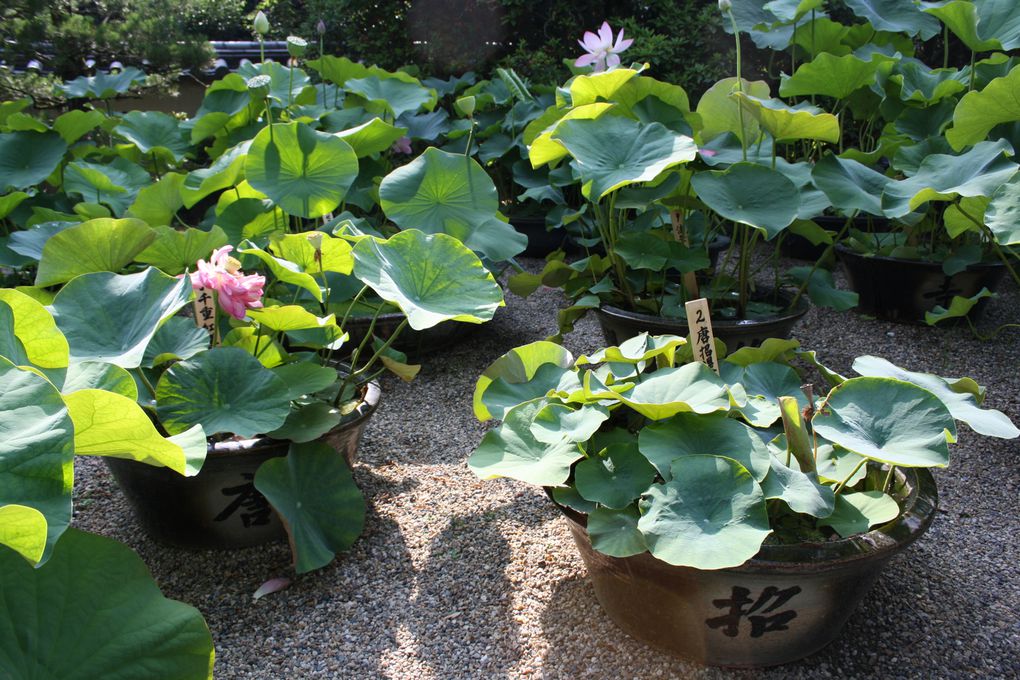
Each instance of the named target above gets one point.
<point>456,578</point>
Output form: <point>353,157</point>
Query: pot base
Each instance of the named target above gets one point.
<point>786,603</point>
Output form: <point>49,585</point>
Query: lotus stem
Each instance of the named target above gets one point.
<point>378,353</point>
<point>807,280</point>
<point>842,485</point>
<point>888,479</point>
<point>145,381</point>
<point>740,87</point>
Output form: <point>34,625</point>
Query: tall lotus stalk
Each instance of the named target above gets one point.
<point>726,7</point>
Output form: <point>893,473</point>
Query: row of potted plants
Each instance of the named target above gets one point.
<point>143,339</point>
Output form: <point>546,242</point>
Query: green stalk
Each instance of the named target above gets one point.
<point>354,374</point>
<point>818,262</point>
<point>888,479</point>
<point>945,46</point>
<point>842,485</point>
<point>145,381</point>
<point>740,87</point>
<point>970,85</point>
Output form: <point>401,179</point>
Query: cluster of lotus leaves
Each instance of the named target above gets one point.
<point>663,455</point>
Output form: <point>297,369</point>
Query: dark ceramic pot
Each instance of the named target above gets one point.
<point>541,241</point>
<point>787,602</point>
<point>620,324</point>
<point>893,289</point>
<point>219,508</point>
<point>411,342</point>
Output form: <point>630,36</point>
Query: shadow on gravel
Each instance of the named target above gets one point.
<point>464,625</point>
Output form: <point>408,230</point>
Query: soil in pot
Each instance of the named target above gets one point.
<point>895,289</point>
<point>619,324</point>
<point>220,508</point>
<point>787,602</point>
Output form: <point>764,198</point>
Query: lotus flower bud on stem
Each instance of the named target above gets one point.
<point>261,23</point>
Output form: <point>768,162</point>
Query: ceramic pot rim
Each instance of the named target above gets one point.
<point>261,443</point>
<point>918,510</point>
<point>847,252</point>
<point>800,310</point>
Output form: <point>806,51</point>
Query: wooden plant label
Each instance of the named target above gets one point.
<point>205,312</point>
<point>700,324</point>
<point>690,280</point>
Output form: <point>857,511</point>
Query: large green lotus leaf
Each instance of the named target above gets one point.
<point>158,203</point>
<point>850,186</point>
<point>287,272</point>
<point>787,123</point>
<point>36,456</point>
<point>338,70</point>
<point>693,387</point>
<point>615,532</point>
<point>431,277</point>
<point>519,366</point>
<point>441,192</point>
<point>711,515</point>
<point>225,172</point>
<point>372,137</point>
<point>304,378</point>
<point>99,245</point>
<point>96,375</point>
<point>12,349</point>
<point>292,318</point>
<point>636,350</point>
<point>112,317</point>
<point>831,76</point>
<point>155,133</point>
<point>392,95</point>
<point>23,529</point>
<point>511,450</point>
<point>980,111</point>
<point>589,88</point>
<point>578,425</point>
<point>895,16</point>
<point>942,177</point>
<point>765,28</point>
<point>855,513</point>
<point>501,395</point>
<point>44,345</point>
<point>225,390</point>
<point>252,219</point>
<point>793,10</point>
<point>888,420</point>
<point>110,424</point>
<point>314,492</point>
<point>270,352</point>
<point>75,124</point>
<point>103,85</point>
<point>802,492</point>
<point>640,89</point>
<point>114,184</point>
<point>287,85</point>
<point>225,99</point>
<point>614,477</point>
<point>691,434</point>
<point>1002,216</point>
<point>918,83</point>
<point>28,158</point>
<point>93,611</point>
<point>333,255</point>
<point>613,152</point>
<point>982,25</point>
<point>178,338</point>
<point>543,148</point>
<point>305,172</point>
<point>720,112</point>
<point>175,251</point>
<point>764,382</point>
<point>750,194</point>
<point>962,405</point>
<point>11,201</point>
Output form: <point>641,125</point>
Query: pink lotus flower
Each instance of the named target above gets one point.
<point>602,52</point>
<point>235,291</point>
<point>402,145</point>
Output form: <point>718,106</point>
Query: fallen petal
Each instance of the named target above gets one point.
<point>271,586</point>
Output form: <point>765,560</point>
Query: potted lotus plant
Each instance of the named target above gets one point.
<point>262,377</point>
<point>732,518</point>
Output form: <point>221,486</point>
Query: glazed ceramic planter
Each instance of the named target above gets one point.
<point>411,342</point>
<point>787,602</point>
<point>220,507</point>
<point>620,324</point>
<point>894,289</point>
